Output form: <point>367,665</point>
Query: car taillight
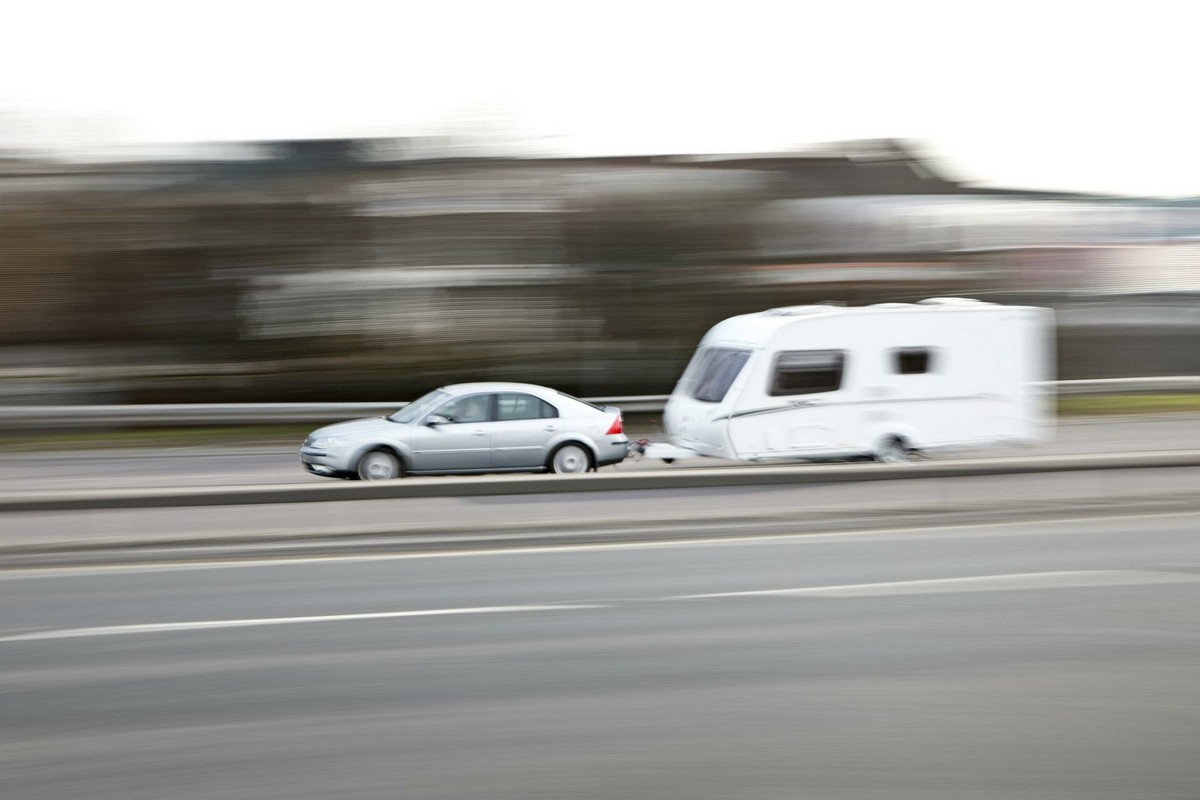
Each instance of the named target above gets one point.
<point>615,427</point>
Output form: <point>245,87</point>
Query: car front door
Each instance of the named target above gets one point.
<point>523,428</point>
<point>461,442</point>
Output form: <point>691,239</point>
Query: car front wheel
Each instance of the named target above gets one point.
<point>378,465</point>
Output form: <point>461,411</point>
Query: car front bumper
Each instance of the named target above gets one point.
<point>326,463</point>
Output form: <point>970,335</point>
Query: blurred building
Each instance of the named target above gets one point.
<point>369,270</point>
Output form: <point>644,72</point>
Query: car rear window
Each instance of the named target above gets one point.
<point>585,402</point>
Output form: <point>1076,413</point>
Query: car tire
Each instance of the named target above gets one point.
<point>379,465</point>
<point>570,459</point>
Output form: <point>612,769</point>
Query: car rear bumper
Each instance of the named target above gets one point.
<point>617,450</point>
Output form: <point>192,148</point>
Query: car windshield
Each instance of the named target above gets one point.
<point>413,411</point>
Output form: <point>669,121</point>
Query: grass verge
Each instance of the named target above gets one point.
<point>1128,404</point>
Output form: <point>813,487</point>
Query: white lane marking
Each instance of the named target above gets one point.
<point>976,583</point>
<point>301,560</point>
<point>167,627</point>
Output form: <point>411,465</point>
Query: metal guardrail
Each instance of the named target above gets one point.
<point>1099,386</point>
<point>79,417</point>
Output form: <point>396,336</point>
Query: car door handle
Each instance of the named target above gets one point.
<point>479,433</point>
<point>551,428</point>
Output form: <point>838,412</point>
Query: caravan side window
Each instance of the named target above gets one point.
<point>807,372</point>
<point>912,361</point>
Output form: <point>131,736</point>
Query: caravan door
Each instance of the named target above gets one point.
<point>796,412</point>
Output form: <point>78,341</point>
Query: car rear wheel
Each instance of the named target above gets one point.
<point>570,459</point>
<point>378,465</point>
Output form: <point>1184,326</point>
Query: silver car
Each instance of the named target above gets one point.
<point>472,428</point>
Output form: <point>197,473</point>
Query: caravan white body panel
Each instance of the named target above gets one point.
<point>827,381</point>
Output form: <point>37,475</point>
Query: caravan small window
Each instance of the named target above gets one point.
<point>716,368</point>
<point>911,361</point>
<point>807,372</point>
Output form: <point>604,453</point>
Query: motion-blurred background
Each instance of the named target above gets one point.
<point>565,200</point>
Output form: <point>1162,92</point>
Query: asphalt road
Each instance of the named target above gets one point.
<point>226,466</point>
<point>1032,660</point>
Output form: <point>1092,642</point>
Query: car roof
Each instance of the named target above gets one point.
<point>553,396</point>
<point>497,386</point>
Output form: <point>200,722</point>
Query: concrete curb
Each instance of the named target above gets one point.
<point>482,486</point>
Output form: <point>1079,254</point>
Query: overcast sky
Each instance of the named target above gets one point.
<point>1076,96</point>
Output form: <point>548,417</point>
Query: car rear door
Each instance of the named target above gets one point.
<point>523,428</point>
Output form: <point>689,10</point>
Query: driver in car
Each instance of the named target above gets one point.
<point>472,409</point>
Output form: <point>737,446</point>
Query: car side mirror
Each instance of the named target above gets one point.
<point>436,419</point>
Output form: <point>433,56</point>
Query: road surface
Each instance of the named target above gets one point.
<point>1031,660</point>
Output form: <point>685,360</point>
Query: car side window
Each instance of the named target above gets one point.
<point>472,408</point>
<point>522,406</point>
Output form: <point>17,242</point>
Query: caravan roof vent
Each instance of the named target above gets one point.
<point>953,301</point>
<point>796,311</point>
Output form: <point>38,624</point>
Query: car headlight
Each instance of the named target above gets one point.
<point>327,442</point>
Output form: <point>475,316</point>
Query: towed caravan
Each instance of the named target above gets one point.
<point>883,381</point>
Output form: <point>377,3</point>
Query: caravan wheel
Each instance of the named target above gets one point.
<point>893,450</point>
